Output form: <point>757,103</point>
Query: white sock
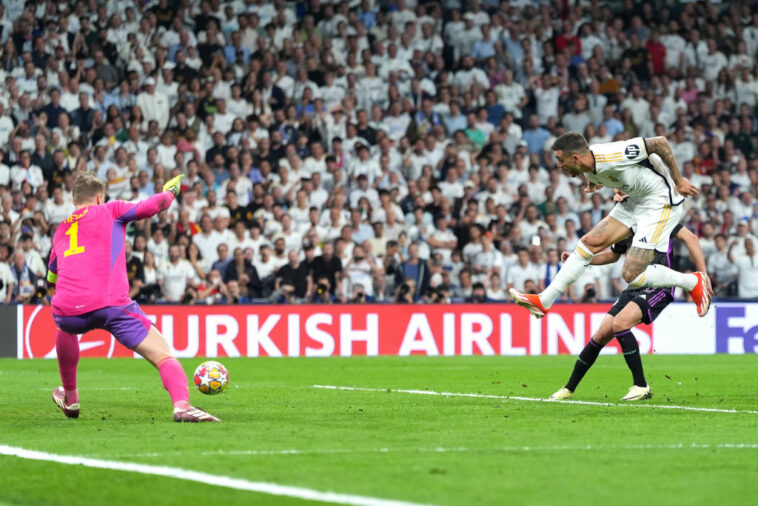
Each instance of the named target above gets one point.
<point>660,276</point>
<point>574,267</point>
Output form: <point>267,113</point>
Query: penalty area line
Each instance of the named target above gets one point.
<point>535,399</point>
<point>204,478</point>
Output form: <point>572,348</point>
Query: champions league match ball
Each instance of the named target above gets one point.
<point>211,377</point>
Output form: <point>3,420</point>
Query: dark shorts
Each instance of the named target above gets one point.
<point>650,300</point>
<point>128,324</point>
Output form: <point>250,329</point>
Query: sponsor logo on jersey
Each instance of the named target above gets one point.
<point>644,239</point>
<point>632,151</point>
<point>76,216</point>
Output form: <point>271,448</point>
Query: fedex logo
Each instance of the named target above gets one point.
<point>736,329</point>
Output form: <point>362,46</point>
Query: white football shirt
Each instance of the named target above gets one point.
<point>626,165</point>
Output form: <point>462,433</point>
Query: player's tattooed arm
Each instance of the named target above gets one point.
<point>660,146</point>
<point>637,260</point>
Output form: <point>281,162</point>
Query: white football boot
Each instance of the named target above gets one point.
<point>562,395</point>
<point>638,393</point>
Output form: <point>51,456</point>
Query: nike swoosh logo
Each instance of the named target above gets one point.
<point>89,346</point>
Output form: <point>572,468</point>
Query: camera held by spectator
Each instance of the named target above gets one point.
<point>439,295</point>
<point>405,294</point>
<point>322,292</point>
<point>189,297</point>
<point>590,294</point>
<point>359,294</point>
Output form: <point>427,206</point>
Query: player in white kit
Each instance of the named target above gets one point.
<point>646,170</point>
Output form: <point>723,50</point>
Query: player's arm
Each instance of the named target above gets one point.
<point>151,206</point>
<point>52,269</point>
<point>696,253</point>
<point>693,245</point>
<point>660,146</point>
<point>589,186</point>
<point>124,211</point>
<point>605,257</point>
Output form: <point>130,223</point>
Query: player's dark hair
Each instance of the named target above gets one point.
<point>87,186</point>
<point>570,142</point>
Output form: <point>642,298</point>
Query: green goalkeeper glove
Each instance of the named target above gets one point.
<point>174,185</point>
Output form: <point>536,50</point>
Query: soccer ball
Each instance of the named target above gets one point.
<point>211,377</point>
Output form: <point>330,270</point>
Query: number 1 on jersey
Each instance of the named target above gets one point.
<point>73,245</point>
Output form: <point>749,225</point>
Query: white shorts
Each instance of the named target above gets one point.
<point>652,222</point>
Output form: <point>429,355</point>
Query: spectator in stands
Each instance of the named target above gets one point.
<point>176,276</point>
<point>7,277</point>
<point>242,270</point>
<point>522,272</point>
<point>150,291</point>
<point>439,108</point>
<point>293,280</point>
<point>747,269</point>
<point>24,279</point>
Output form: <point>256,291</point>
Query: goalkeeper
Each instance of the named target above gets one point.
<point>88,268</point>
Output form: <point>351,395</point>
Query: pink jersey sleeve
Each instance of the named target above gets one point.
<point>125,211</point>
<point>52,268</point>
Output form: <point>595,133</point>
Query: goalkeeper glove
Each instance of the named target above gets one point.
<point>174,185</point>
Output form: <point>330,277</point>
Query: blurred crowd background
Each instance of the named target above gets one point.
<point>368,150</point>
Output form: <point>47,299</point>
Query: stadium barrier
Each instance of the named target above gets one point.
<point>346,330</point>
<point>9,330</point>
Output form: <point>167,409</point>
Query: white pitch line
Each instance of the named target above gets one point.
<point>204,478</point>
<point>100,389</point>
<point>535,399</point>
<point>501,449</point>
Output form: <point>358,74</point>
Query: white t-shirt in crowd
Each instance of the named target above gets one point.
<point>176,278</point>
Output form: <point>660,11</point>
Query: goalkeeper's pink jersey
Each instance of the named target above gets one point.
<point>87,262</point>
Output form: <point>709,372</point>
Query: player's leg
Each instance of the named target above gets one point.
<point>586,358</point>
<point>638,272</point>
<point>609,231</point>
<point>597,342</point>
<point>654,227</point>
<point>645,309</point>
<point>623,323</point>
<point>66,397</point>
<point>67,351</point>
<point>131,327</point>
<point>155,350</point>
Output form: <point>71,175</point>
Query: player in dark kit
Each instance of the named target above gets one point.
<point>632,307</point>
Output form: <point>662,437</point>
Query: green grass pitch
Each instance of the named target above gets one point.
<point>277,428</point>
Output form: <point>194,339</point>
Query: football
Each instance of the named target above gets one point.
<point>211,377</point>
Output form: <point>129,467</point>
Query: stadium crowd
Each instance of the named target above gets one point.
<point>368,150</point>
